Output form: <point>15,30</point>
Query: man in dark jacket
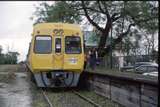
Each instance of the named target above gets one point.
<point>92,59</point>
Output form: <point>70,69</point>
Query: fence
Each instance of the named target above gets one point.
<point>120,61</point>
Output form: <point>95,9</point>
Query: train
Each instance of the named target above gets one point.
<point>56,54</point>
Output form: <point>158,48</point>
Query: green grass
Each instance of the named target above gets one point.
<point>37,96</point>
<point>9,68</point>
<point>104,102</point>
<point>67,99</point>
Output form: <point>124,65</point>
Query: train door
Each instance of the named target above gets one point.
<point>58,52</point>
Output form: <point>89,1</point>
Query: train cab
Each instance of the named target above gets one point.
<point>56,54</point>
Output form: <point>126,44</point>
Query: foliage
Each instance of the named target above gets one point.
<point>60,11</point>
<point>119,16</point>
<point>8,58</point>
<point>94,38</point>
<point>148,27</point>
<point>1,49</point>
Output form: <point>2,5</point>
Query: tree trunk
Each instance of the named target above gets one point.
<point>104,37</point>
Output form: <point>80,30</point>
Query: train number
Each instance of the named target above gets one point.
<point>58,32</point>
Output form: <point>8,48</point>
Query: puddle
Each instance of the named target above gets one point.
<point>2,102</point>
<point>3,85</point>
<point>16,94</point>
<point>3,73</point>
<point>22,75</point>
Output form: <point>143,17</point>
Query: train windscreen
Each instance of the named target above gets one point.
<point>72,45</point>
<point>43,45</point>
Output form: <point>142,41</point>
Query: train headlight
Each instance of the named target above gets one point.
<point>73,60</point>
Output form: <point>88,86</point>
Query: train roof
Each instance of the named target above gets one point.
<point>56,25</point>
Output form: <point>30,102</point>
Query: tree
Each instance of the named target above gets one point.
<point>1,49</point>
<point>118,15</point>
<point>59,11</point>
<point>149,29</point>
<point>94,38</point>
<point>1,55</point>
<point>134,13</point>
<point>11,58</point>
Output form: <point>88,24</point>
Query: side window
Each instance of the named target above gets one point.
<point>43,44</point>
<point>58,45</point>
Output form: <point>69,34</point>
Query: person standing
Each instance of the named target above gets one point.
<point>92,59</point>
<point>85,61</point>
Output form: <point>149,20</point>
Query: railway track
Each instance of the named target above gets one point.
<point>88,100</point>
<point>47,99</point>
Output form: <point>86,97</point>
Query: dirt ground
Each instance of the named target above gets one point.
<point>14,88</point>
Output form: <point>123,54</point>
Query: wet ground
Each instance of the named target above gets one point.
<point>14,89</point>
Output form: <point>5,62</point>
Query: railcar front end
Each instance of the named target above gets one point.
<point>56,54</point>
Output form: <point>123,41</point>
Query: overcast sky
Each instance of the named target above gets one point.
<point>16,26</point>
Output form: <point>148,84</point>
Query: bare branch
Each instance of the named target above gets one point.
<point>94,10</point>
<point>89,8</point>
<point>106,10</point>
<point>119,39</point>
<point>114,15</point>
<point>89,19</point>
<point>100,8</point>
<point>116,18</point>
<point>105,6</point>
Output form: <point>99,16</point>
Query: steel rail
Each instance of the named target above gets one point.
<point>86,99</point>
<point>47,99</point>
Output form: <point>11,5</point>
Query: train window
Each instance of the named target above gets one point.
<point>72,45</point>
<point>43,45</point>
<point>58,45</point>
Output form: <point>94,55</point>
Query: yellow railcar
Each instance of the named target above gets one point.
<point>56,54</point>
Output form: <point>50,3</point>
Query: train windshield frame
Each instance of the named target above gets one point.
<point>73,45</point>
<point>43,44</point>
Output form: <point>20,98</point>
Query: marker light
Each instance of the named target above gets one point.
<point>38,32</point>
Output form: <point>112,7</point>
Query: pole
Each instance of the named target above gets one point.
<point>121,43</point>
<point>111,48</point>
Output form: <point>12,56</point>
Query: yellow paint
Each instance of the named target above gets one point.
<point>52,61</point>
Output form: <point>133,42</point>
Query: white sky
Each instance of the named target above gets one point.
<point>16,26</point>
